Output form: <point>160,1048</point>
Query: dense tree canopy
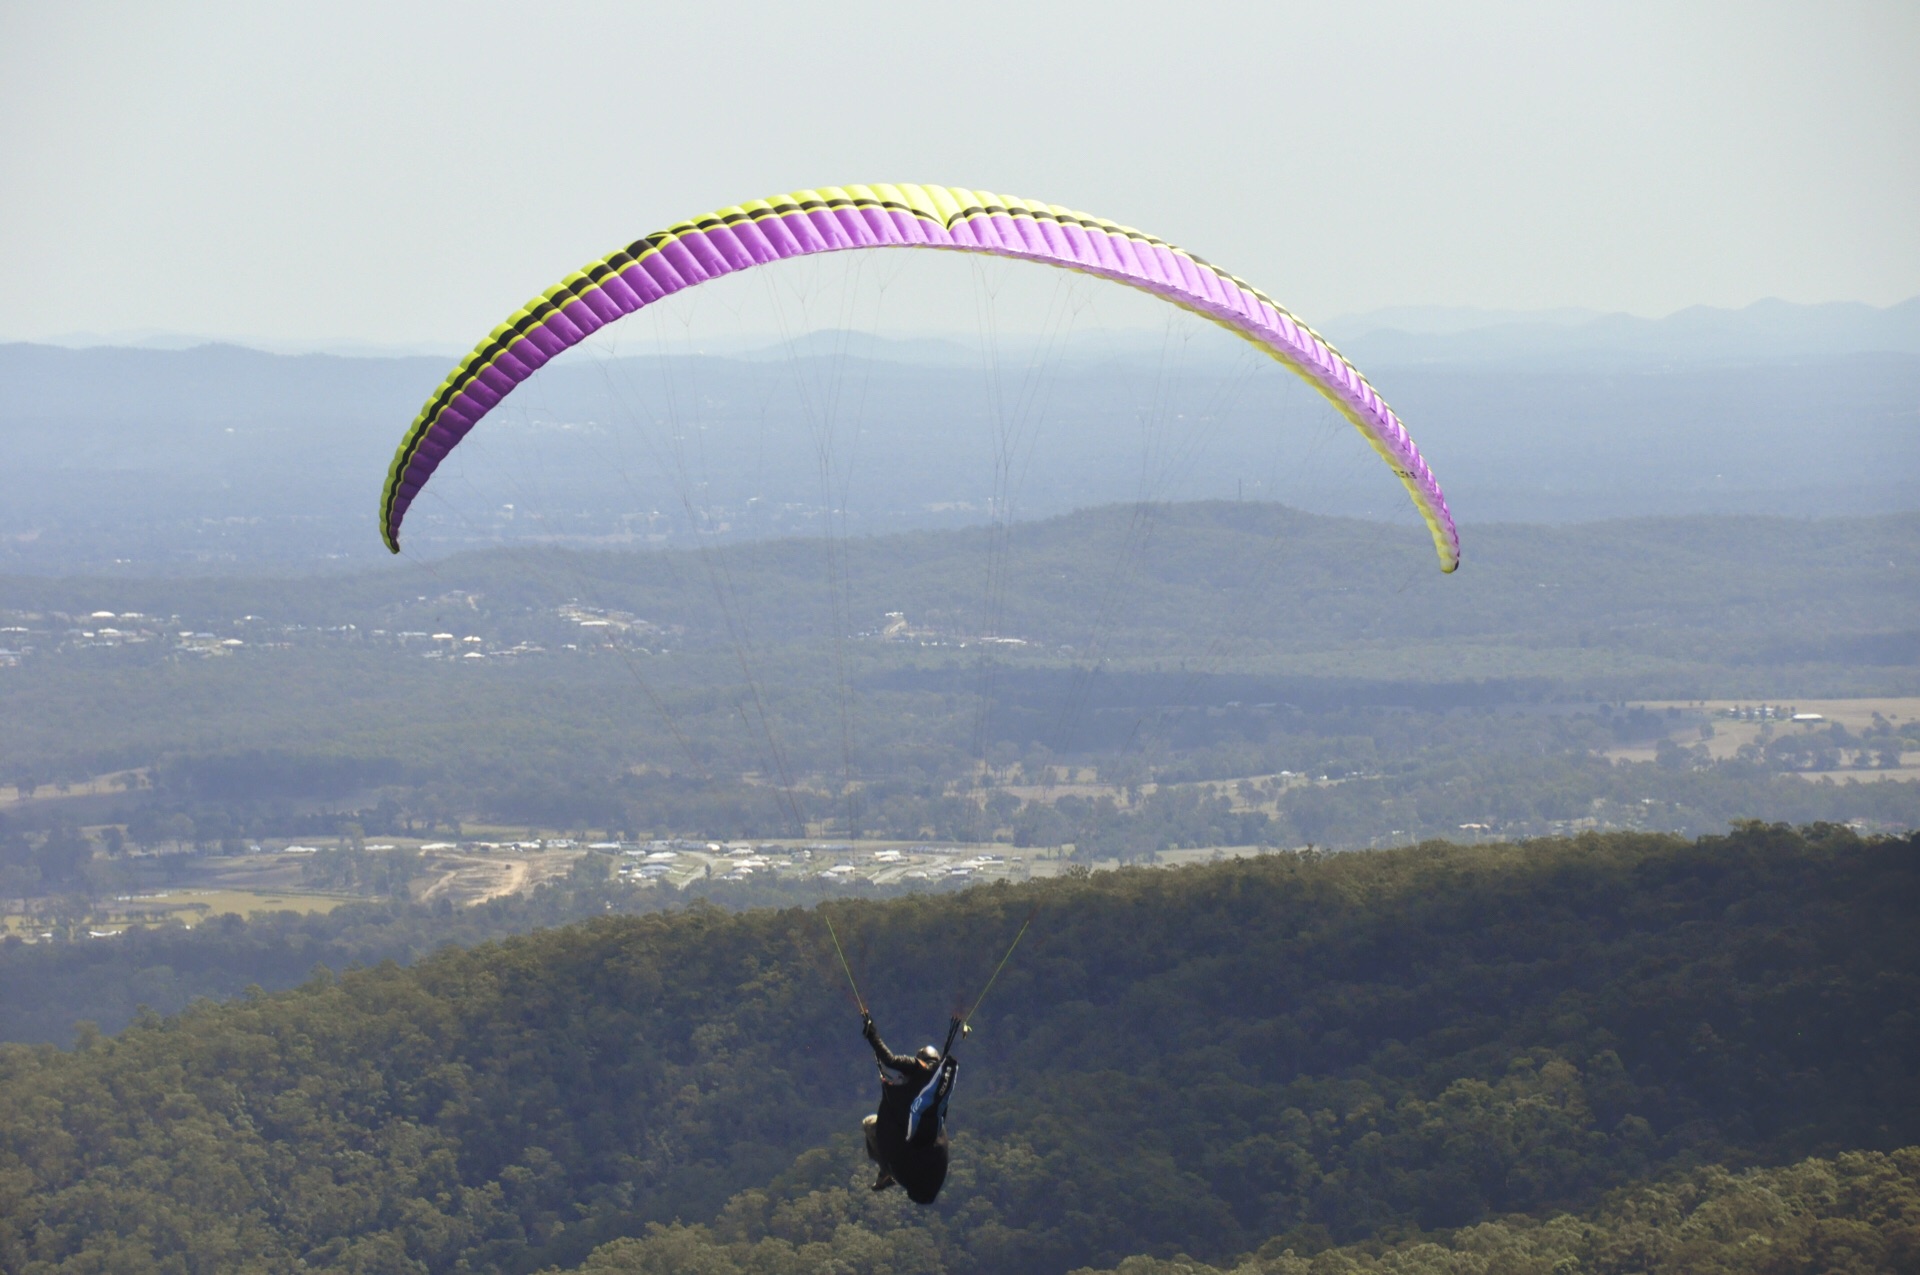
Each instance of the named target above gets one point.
<point>1287,1052</point>
<point>1856,1214</point>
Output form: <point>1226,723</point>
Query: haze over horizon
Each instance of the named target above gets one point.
<point>305,178</point>
<point>1874,328</point>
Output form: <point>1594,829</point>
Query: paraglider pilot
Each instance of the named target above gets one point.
<point>907,1136</point>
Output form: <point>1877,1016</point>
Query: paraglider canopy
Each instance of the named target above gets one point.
<point>843,218</point>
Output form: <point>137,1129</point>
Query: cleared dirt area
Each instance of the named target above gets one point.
<point>468,879</point>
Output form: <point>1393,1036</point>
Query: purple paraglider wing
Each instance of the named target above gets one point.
<point>840,218</point>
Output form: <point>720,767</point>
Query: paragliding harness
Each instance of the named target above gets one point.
<point>913,1150</point>
<point>907,1137</point>
<point>927,1117</point>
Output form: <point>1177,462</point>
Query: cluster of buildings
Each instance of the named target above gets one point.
<point>1769,713</point>
<point>894,628</point>
<point>681,862</point>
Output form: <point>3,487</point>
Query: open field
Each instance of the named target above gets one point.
<point>250,873</point>
<point>1272,785</point>
<point>217,902</point>
<point>109,784</point>
<point>1727,735</point>
<point>189,906</point>
<point>1877,775</point>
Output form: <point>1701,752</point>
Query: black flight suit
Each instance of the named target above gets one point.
<point>922,1168</point>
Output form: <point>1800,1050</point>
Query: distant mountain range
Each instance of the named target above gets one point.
<point>1766,330</point>
<point>221,458</point>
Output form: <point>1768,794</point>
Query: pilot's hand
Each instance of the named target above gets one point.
<point>867,1028</point>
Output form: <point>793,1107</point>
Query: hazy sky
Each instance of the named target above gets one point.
<point>411,172</point>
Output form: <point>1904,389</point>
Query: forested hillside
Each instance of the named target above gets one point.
<point>681,692</point>
<point>48,988</point>
<point>1288,1052</point>
<point>1857,1214</point>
